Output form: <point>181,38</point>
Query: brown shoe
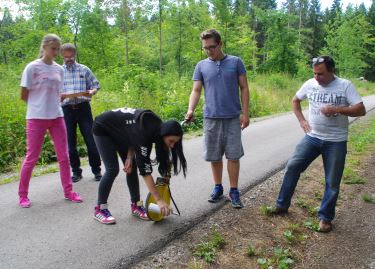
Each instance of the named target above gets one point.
<point>280,211</point>
<point>325,226</point>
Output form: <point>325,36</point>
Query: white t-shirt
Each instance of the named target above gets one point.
<point>340,92</point>
<point>44,83</point>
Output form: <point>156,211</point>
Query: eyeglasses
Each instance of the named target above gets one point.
<point>69,58</point>
<point>209,48</point>
<point>318,60</point>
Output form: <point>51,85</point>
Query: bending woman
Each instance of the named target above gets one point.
<point>131,133</point>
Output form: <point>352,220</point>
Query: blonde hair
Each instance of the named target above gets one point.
<point>48,39</point>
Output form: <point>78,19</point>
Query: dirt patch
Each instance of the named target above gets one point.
<point>350,245</point>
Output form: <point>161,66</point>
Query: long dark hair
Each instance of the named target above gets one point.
<point>170,157</point>
<point>167,158</point>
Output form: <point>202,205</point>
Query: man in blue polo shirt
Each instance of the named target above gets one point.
<point>223,77</point>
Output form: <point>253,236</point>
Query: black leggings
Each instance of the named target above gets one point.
<point>108,151</point>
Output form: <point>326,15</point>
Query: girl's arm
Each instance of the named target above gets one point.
<point>24,94</point>
<point>128,165</point>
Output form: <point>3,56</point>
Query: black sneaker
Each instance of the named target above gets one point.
<point>98,176</point>
<point>76,178</point>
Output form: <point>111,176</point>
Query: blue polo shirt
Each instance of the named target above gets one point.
<point>221,86</point>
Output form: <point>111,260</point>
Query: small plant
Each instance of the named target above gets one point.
<point>251,251</point>
<point>208,250</point>
<point>351,177</point>
<point>312,225</point>
<point>312,210</point>
<point>293,227</point>
<point>302,203</point>
<point>302,238</point>
<point>318,195</point>
<point>264,263</point>
<point>368,198</point>
<point>267,210</point>
<point>281,258</point>
<point>288,234</point>
<point>194,265</point>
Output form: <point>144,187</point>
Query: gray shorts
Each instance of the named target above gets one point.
<point>222,136</point>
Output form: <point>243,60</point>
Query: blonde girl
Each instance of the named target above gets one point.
<point>41,83</point>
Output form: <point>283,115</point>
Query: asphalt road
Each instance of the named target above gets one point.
<point>55,233</point>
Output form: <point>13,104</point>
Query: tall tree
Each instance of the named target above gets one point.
<point>6,35</point>
<point>160,4</point>
<point>315,23</point>
<point>346,42</point>
<point>281,44</point>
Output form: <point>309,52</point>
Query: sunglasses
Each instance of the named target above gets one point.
<point>319,60</point>
<point>209,48</point>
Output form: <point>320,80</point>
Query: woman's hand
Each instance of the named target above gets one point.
<point>164,208</point>
<point>128,166</point>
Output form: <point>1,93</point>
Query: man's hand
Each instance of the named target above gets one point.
<point>329,111</point>
<point>245,121</point>
<point>305,126</point>
<point>92,92</point>
<point>189,116</point>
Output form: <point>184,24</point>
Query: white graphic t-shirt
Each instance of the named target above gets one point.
<point>44,83</point>
<point>340,92</point>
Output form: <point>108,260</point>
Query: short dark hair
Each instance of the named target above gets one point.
<point>68,46</point>
<point>327,60</point>
<point>211,33</point>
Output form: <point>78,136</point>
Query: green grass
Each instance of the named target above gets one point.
<point>351,177</point>
<point>304,204</point>
<point>368,198</point>
<point>251,251</point>
<point>194,265</point>
<point>208,250</point>
<point>267,210</point>
<point>312,225</point>
<point>280,258</point>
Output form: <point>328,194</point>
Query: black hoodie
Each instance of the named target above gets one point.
<point>128,127</point>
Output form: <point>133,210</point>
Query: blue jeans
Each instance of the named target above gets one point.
<point>309,148</point>
<point>80,115</point>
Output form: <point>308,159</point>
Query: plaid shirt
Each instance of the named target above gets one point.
<point>78,78</point>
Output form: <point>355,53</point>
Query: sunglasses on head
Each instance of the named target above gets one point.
<point>318,60</point>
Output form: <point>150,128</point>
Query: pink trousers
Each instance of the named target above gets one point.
<point>35,132</point>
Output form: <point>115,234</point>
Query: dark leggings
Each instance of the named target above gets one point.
<point>108,151</point>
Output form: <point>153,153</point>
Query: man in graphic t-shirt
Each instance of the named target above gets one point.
<point>331,100</point>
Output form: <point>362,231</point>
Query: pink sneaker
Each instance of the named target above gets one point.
<point>24,202</point>
<point>139,211</point>
<point>74,197</point>
<point>103,215</point>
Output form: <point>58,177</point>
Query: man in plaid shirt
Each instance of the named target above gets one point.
<point>80,85</point>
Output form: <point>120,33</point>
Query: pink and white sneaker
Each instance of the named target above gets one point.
<point>74,197</point>
<point>139,211</point>
<point>103,215</point>
<point>24,202</point>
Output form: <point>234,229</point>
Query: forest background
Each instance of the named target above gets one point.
<point>144,52</point>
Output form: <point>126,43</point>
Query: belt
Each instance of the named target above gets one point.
<point>75,106</point>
